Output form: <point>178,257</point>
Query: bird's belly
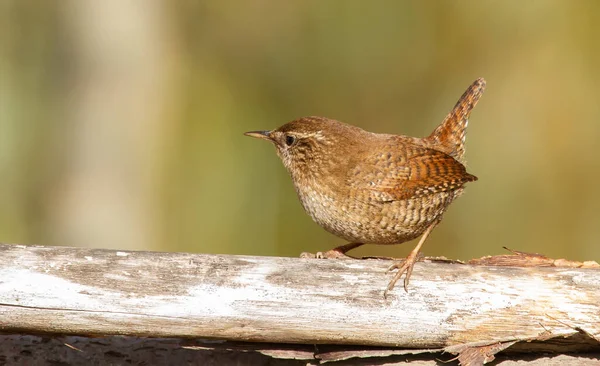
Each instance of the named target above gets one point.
<point>376,222</point>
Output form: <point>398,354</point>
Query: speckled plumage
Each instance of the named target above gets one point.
<point>376,188</point>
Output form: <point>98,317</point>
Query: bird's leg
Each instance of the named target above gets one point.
<point>337,252</point>
<point>406,265</point>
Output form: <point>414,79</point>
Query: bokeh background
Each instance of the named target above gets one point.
<point>121,122</point>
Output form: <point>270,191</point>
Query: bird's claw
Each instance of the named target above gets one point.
<point>330,254</point>
<point>403,266</point>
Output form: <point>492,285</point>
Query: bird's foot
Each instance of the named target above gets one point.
<point>330,254</point>
<point>335,253</point>
<point>402,265</point>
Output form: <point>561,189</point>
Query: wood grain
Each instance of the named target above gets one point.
<point>61,290</point>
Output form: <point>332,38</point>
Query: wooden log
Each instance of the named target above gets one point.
<point>453,307</point>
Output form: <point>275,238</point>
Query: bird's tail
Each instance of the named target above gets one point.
<point>449,137</point>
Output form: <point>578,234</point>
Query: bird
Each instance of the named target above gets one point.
<point>376,188</point>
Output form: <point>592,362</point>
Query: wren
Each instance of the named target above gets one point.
<point>372,188</point>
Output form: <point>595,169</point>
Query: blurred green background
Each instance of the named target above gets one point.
<point>121,121</point>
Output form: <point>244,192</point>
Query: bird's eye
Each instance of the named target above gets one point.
<point>289,140</point>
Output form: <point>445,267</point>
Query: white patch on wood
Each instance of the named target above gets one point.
<point>116,277</point>
<point>45,291</point>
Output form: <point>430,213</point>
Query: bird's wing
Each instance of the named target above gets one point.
<point>414,172</point>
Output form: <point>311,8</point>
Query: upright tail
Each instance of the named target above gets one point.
<point>449,137</point>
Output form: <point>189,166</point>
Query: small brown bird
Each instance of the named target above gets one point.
<point>376,188</point>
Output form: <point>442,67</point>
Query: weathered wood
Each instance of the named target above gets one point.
<point>291,300</point>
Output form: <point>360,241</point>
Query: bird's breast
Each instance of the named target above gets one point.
<point>355,218</point>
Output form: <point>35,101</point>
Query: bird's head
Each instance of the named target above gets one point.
<point>309,143</point>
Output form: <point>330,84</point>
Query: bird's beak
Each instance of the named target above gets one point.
<point>265,135</point>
